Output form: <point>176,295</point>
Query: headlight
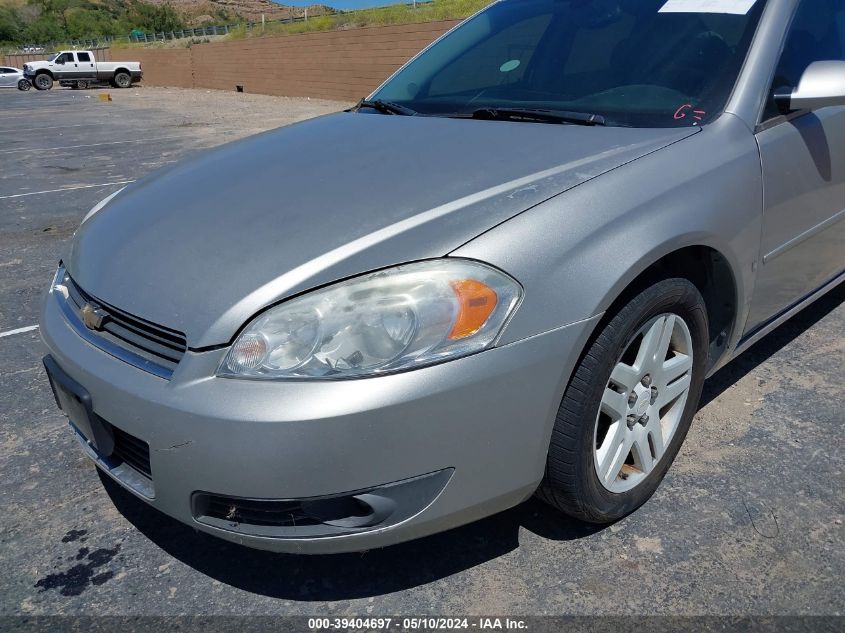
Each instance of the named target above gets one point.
<point>395,319</point>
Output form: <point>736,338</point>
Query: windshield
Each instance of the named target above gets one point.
<point>643,63</point>
<point>52,57</point>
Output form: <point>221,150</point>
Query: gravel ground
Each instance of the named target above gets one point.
<point>748,521</point>
<point>231,114</point>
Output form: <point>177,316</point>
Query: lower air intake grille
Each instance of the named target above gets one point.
<point>312,517</point>
<point>275,513</point>
<point>132,451</point>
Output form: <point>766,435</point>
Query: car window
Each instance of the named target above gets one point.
<point>65,57</point>
<point>628,60</point>
<point>817,34</point>
<point>481,66</point>
<point>83,57</point>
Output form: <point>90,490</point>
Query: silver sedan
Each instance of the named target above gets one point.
<point>9,76</point>
<point>506,272</point>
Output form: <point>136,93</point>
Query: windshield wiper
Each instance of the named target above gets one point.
<point>385,107</point>
<point>541,116</point>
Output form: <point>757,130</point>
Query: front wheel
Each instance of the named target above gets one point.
<point>629,404</point>
<point>24,85</point>
<point>43,82</point>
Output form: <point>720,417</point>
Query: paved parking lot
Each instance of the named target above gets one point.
<point>748,521</point>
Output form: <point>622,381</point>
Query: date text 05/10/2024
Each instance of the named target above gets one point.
<point>417,624</point>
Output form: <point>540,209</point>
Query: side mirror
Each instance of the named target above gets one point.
<point>821,85</point>
<point>61,61</point>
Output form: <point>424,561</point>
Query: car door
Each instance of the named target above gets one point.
<point>7,77</point>
<point>64,67</point>
<point>85,66</point>
<point>803,162</point>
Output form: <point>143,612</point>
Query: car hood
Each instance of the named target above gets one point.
<point>205,245</point>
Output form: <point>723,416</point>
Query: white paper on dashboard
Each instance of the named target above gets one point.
<point>737,7</point>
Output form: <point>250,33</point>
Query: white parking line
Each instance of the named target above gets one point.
<point>55,149</point>
<point>46,127</point>
<point>30,112</point>
<point>38,193</point>
<point>20,330</point>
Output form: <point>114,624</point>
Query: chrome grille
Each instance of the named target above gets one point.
<point>148,346</point>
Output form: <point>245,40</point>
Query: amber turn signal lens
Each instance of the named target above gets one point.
<point>477,302</point>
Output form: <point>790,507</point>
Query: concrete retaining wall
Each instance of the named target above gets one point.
<point>342,65</point>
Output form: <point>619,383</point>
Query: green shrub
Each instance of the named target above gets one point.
<point>379,16</point>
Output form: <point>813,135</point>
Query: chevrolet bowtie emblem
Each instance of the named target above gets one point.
<point>93,316</point>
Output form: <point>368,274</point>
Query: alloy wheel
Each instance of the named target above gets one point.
<point>643,403</point>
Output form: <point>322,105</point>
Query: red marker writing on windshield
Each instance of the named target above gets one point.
<point>681,113</point>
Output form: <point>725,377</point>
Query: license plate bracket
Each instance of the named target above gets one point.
<point>75,402</point>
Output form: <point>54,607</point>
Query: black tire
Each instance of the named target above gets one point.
<point>571,483</point>
<point>122,80</point>
<point>43,82</point>
<point>81,85</point>
<point>24,85</point>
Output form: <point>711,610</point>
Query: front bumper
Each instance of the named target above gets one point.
<point>481,424</point>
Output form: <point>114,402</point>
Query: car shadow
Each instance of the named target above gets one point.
<point>413,564</point>
<point>812,131</point>
<point>346,576</point>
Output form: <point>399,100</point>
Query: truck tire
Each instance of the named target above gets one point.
<point>122,79</point>
<point>43,81</point>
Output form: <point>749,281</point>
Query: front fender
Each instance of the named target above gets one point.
<point>576,253</point>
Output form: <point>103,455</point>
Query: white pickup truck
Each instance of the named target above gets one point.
<point>80,69</point>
